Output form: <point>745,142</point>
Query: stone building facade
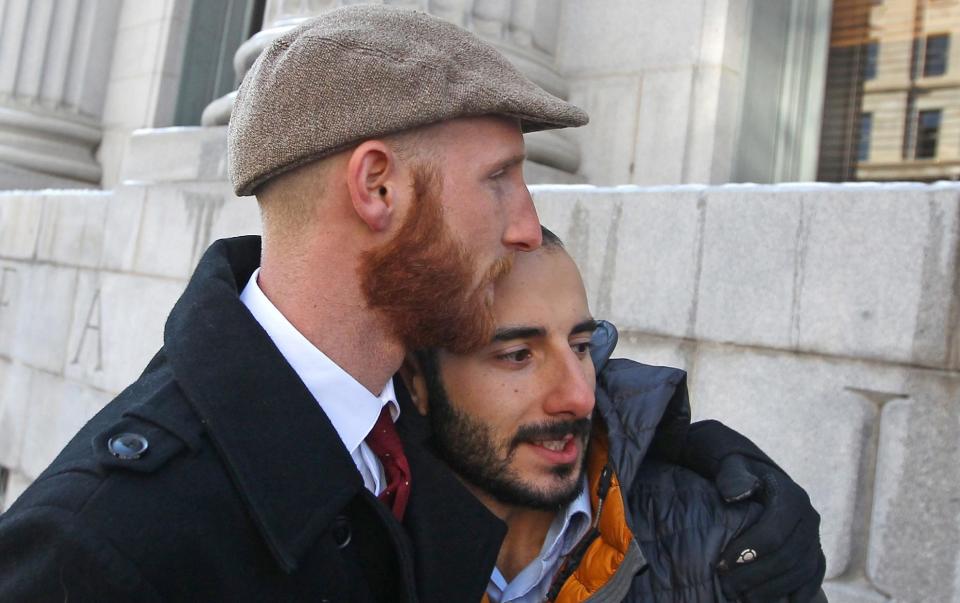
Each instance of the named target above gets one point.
<point>821,320</point>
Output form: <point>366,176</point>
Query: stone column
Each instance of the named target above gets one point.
<point>54,64</point>
<point>523,30</point>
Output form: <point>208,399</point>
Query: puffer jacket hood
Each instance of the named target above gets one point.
<point>646,411</point>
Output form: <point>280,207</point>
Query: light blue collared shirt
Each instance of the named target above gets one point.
<point>533,582</point>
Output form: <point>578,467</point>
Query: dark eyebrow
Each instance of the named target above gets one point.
<point>511,333</point>
<point>587,326</point>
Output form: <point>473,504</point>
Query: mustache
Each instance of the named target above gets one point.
<point>500,268</point>
<point>551,431</point>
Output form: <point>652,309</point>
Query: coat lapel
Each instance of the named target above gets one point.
<point>283,455</point>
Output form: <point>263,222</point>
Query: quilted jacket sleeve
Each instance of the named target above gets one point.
<point>681,525</point>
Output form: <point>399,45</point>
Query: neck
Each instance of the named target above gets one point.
<point>319,293</point>
<point>526,530</point>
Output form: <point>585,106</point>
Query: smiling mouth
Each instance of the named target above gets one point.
<point>555,445</point>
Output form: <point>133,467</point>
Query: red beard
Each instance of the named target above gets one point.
<point>422,281</point>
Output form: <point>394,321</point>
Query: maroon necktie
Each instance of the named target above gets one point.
<point>385,443</point>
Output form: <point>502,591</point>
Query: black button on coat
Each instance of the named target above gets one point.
<point>244,491</point>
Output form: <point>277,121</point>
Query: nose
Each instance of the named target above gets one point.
<point>523,230</point>
<point>573,384</point>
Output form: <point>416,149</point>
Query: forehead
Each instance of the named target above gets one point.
<point>543,287</point>
<point>487,137</point>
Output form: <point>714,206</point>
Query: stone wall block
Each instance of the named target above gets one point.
<point>122,229</point>
<point>914,552</point>
<point>12,275</point>
<point>657,351</point>
<point>612,103</point>
<point>936,335</point>
<point>175,229</point>
<point>582,218</point>
<point>852,592</point>
<point>238,216</point>
<point>747,281</point>
<point>14,406</point>
<point>650,263</point>
<point>860,272</point>
<point>20,217</point>
<point>661,35</point>
<point>186,155</point>
<point>712,125</point>
<point>72,231</point>
<point>117,327</point>
<point>58,409</point>
<point>662,136</point>
<point>808,415</point>
<point>638,261</point>
<point>43,313</point>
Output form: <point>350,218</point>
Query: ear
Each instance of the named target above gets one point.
<point>413,378</point>
<point>372,182</point>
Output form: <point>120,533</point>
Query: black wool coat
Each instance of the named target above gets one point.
<point>244,492</point>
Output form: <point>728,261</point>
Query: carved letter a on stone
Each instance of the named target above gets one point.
<point>93,323</point>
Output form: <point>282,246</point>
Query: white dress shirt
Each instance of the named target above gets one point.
<point>351,408</point>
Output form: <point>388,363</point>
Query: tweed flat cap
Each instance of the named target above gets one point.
<point>364,71</point>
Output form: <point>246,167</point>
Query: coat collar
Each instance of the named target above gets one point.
<point>645,409</point>
<point>281,450</point>
<point>284,455</point>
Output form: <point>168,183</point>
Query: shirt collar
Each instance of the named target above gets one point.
<point>351,408</point>
<point>568,527</point>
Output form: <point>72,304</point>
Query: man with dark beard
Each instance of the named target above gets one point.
<point>256,459</point>
<point>582,466</point>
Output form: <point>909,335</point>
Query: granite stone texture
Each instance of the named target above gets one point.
<point>72,230</point>
<point>117,326</point>
<point>20,216</point>
<point>915,532</point>
<point>864,271</point>
<point>14,405</point>
<point>122,223</point>
<point>58,409</point>
<point>179,223</point>
<point>43,311</point>
<point>663,94</point>
<point>855,592</point>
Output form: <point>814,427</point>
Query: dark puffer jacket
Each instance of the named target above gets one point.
<point>659,527</point>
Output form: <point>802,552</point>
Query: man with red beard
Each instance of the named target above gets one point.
<point>256,458</point>
<point>580,457</point>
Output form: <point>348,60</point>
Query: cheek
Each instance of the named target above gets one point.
<point>489,396</point>
<point>477,218</point>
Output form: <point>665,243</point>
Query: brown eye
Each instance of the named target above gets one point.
<point>582,348</point>
<point>516,356</point>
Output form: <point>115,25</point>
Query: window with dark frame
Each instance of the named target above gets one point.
<point>928,131</point>
<point>935,55</point>
<point>863,141</point>
<point>870,51</point>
